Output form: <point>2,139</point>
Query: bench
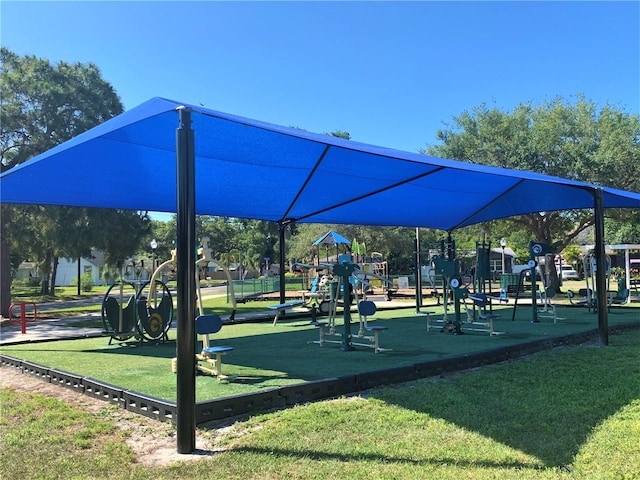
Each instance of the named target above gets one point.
<point>282,307</point>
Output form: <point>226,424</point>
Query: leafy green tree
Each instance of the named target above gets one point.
<point>575,140</point>
<point>42,105</point>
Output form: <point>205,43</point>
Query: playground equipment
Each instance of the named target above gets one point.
<point>548,309</point>
<point>479,313</point>
<point>127,313</point>
<point>209,360</point>
<point>585,298</point>
<point>350,283</point>
<point>589,265</point>
<point>119,312</point>
<point>155,310</point>
<point>145,312</point>
<point>23,314</point>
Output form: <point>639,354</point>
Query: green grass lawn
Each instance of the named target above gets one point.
<point>569,413</point>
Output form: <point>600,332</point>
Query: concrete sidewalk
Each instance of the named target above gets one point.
<point>48,329</point>
<point>63,328</point>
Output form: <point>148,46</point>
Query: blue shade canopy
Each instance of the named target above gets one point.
<point>251,169</point>
<point>331,238</point>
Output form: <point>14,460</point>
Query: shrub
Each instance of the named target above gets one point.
<point>86,282</point>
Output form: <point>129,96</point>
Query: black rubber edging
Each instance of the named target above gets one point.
<point>298,393</point>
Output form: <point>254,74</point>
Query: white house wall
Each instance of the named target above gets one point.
<point>68,272</point>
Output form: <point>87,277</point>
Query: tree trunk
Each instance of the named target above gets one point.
<point>79,282</point>
<point>46,270</point>
<point>5,278</point>
<point>54,274</point>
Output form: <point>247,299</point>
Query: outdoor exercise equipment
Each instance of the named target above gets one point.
<point>367,308</point>
<point>585,298</point>
<point>485,317</point>
<point>119,312</point>
<point>344,271</point>
<point>483,267</point>
<point>155,310</point>
<point>548,309</point>
<point>479,313</point>
<point>590,270</point>
<point>349,279</point>
<point>451,289</point>
<point>536,250</point>
<point>23,314</point>
<point>448,267</point>
<point>519,288</point>
<point>209,360</point>
<point>140,310</point>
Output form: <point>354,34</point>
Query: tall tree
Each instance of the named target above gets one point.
<point>575,140</point>
<point>43,105</point>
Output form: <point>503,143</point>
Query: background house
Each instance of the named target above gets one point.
<point>67,273</point>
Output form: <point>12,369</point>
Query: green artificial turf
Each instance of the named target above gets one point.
<point>265,356</point>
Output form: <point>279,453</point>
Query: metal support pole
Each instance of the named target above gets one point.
<point>418,273</point>
<point>601,268</point>
<point>281,249</point>
<point>186,279</point>
<point>346,343</point>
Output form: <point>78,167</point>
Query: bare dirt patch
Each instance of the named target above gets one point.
<point>153,442</point>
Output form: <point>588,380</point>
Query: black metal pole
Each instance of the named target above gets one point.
<point>418,273</point>
<point>281,249</point>
<point>186,279</point>
<point>601,273</point>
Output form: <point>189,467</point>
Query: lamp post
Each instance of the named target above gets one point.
<point>503,243</point>
<point>153,244</point>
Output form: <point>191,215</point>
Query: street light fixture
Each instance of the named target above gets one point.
<point>503,243</point>
<point>153,244</point>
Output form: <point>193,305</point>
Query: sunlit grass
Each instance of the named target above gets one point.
<point>571,413</point>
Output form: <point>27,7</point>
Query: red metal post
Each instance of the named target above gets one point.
<point>23,317</point>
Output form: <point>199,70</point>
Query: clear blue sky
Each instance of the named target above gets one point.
<point>389,73</point>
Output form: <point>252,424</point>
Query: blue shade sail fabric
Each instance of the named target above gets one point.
<point>331,238</point>
<point>251,169</point>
